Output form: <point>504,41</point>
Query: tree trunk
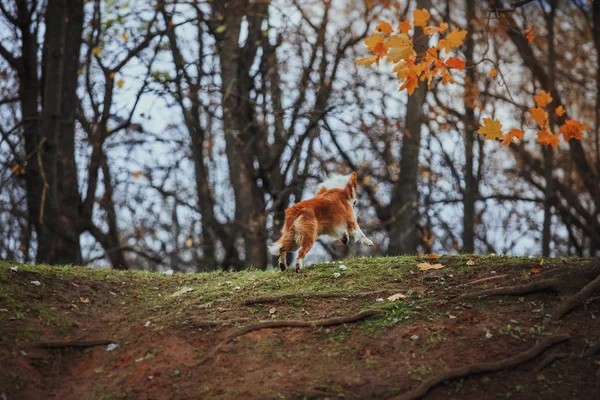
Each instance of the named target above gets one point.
<point>51,173</point>
<point>471,187</point>
<point>239,125</point>
<point>548,152</point>
<point>404,205</point>
<point>595,245</point>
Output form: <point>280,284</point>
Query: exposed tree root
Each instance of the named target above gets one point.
<point>291,323</point>
<point>549,359</point>
<point>578,299</point>
<point>73,343</point>
<point>591,351</point>
<point>462,372</point>
<point>538,286</point>
<point>582,281</point>
<point>275,299</point>
<point>210,323</point>
<point>489,278</point>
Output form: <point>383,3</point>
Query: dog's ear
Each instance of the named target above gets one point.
<point>351,186</point>
<point>352,180</point>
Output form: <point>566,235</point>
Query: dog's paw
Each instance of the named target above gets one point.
<point>346,238</point>
<point>367,242</point>
<point>298,268</point>
<point>282,267</point>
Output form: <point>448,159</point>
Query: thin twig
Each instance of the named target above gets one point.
<point>73,343</point>
<point>275,299</point>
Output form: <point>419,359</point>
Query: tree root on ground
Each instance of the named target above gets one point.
<point>467,370</point>
<point>73,343</point>
<point>549,359</point>
<point>578,299</point>
<point>198,323</point>
<point>275,299</point>
<point>489,278</point>
<point>591,351</point>
<point>290,323</point>
<point>538,286</point>
<point>581,283</point>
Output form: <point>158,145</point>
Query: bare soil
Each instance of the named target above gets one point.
<point>179,347</point>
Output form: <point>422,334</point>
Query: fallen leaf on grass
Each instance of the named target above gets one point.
<point>182,291</point>
<point>432,256</point>
<point>535,270</point>
<point>84,300</point>
<point>426,266</point>
<point>396,296</point>
<point>470,262</point>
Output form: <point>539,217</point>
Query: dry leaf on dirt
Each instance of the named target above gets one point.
<point>84,299</point>
<point>396,296</point>
<point>535,270</point>
<point>426,266</point>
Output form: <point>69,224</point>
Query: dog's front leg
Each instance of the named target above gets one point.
<point>358,234</point>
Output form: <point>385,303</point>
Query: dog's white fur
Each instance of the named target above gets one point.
<point>335,181</point>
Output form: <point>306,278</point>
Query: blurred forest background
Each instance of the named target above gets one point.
<point>173,134</point>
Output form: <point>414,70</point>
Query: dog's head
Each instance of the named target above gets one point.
<point>347,183</point>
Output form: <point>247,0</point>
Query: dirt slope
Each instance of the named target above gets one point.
<point>194,345</point>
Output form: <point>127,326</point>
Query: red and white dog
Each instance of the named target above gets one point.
<point>330,212</point>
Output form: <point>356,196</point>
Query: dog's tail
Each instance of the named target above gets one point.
<point>275,248</point>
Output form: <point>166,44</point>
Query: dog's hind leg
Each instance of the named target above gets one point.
<point>307,228</point>
<point>282,261</point>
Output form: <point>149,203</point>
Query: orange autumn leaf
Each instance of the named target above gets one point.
<point>454,39</point>
<point>433,29</point>
<point>136,175</point>
<point>411,84</point>
<point>402,70</point>
<point>560,111</point>
<point>573,129</point>
<point>493,73</point>
<point>492,129</point>
<point>384,27</point>
<point>514,133</point>
<point>400,48</point>
<point>530,35</point>
<point>455,63</point>
<point>373,41</point>
<point>368,61</point>
<point>421,17</point>
<point>543,98</point>
<point>447,77</point>
<point>546,137</point>
<point>432,256</point>
<point>535,270</point>
<point>404,26</point>
<point>539,115</point>
<point>380,49</point>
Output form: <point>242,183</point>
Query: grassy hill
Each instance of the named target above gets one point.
<point>191,336</point>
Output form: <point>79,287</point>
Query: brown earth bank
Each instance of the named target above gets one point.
<point>191,336</point>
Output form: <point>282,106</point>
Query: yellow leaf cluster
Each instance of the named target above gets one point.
<point>398,49</point>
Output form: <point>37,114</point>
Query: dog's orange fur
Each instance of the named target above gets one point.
<point>330,212</point>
